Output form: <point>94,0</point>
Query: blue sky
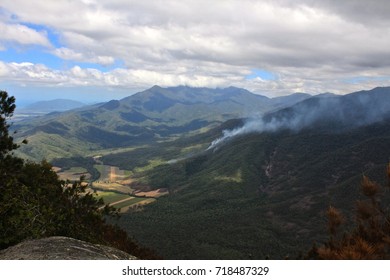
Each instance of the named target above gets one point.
<point>97,50</point>
<point>261,74</point>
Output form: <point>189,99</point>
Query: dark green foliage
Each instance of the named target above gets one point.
<point>7,107</point>
<point>111,105</point>
<point>34,203</point>
<point>133,116</point>
<point>165,130</point>
<point>261,194</point>
<point>195,165</point>
<point>215,226</point>
<point>166,176</point>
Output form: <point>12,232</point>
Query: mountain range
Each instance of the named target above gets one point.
<point>157,114</point>
<point>247,176</point>
<point>264,192</point>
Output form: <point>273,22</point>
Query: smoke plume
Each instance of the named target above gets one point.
<point>333,113</point>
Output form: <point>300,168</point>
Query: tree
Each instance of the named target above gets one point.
<point>9,168</point>
<point>34,203</point>
<point>7,107</point>
<point>8,164</point>
<point>370,238</point>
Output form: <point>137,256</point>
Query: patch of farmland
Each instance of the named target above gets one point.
<point>72,174</point>
<point>110,174</point>
<point>111,197</point>
<point>124,202</point>
<point>115,187</point>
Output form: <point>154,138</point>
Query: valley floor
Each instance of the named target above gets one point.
<point>114,186</point>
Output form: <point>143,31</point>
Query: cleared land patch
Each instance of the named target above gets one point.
<point>114,185</point>
<point>111,197</point>
<point>109,187</point>
<point>112,173</point>
<point>72,174</point>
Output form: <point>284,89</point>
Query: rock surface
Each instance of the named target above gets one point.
<point>62,248</point>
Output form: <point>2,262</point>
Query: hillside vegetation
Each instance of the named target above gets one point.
<point>259,195</point>
<point>155,115</point>
<point>264,194</point>
<point>34,203</point>
<point>223,187</point>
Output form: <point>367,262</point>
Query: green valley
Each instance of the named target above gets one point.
<point>196,182</point>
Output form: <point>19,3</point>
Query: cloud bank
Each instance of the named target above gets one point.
<point>308,46</point>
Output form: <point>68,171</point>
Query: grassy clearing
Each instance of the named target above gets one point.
<point>111,197</point>
<point>116,187</point>
<point>123,201</point>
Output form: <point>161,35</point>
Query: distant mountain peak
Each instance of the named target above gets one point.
<point>155,87</point>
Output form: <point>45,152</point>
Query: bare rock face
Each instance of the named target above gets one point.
<point>62,248</point>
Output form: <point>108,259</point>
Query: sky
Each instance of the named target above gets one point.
<point>95,50</point>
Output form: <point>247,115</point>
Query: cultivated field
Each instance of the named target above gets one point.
<point>122,201</point>
<point>72,174</point>
<point>111,173</point>
<point>114,186</point>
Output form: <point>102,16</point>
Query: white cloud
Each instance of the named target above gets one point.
<point>69,54</point>
<point>23,35</point>
<point>128,78</point>
<point>29,73</point>
<point>311,46</point>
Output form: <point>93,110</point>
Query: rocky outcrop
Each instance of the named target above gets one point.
<point>62,248</point>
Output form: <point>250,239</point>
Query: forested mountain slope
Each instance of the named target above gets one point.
<point>156,114</point>
<point>265,193</point>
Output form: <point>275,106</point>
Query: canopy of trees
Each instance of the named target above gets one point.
<point>34,203</point>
